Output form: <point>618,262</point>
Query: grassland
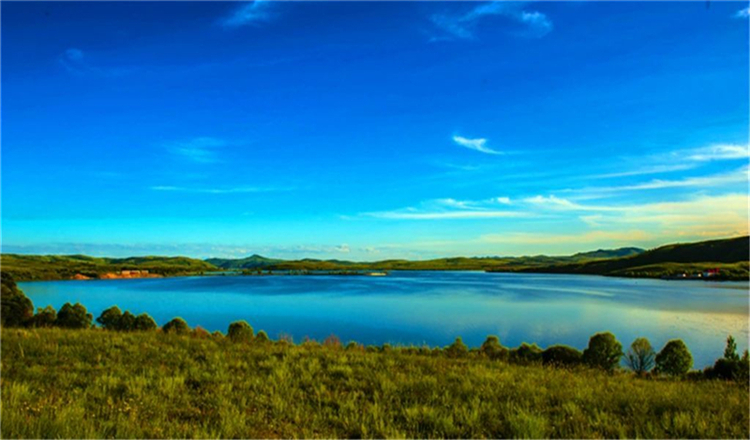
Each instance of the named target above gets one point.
<point>102,384</point>
<point>64,267</point>
<point>729,255</point>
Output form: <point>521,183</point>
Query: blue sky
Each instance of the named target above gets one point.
<point>371,130</point>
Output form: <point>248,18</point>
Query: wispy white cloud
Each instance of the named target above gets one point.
<point>680,160</point>
<point>656,169</point>
<point>445,215</point>
<point>199,150</point>
<point>478,144</point>
<point>463,26</point>
<point>247,14</point>
<point>737,176</point>
<point>227,190</point>
<point>628,237</point>
<point>716,152</point>
<point>742,13</point>
<point>445,209</point>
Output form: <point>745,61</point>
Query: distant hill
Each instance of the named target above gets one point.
<point>609,253</point>
<point>251,262</point>
<point>63,267</point>
<point>455,263</point>
<point>668,260</point>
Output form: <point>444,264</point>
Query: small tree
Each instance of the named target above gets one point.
<point>604,351</point>
<point>730,352</point>
<point>640,356</point>
<point>262,338</point>
<point>240,331</point>
<point>44,318</point>
<point>74,316</point>
<point>457,349</point>
<point>15,308</point>
<point>526,354</point>
<point>561,355</point>
<point>144,322</point>
<point>126,322</point>
<point>177,326</point>
<point>674,359</point>
<point>492,349</point>
<point>110,318</point>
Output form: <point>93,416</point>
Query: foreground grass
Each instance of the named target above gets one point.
<point>89,383</point>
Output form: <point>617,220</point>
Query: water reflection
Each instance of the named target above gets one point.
<point>434,307</point>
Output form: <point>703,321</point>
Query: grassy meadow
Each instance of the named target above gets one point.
<point>92,383</point>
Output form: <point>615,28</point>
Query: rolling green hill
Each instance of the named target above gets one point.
<point>63,267</point>
<point>457,263</point>
<point>730,256</point>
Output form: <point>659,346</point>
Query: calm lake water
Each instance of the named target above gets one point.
<point>433,307</point>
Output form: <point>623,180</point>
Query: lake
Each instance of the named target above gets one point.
<point>433,307</point>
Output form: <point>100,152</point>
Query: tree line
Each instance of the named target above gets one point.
<point>604,351</point>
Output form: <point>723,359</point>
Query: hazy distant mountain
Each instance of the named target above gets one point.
<point>609,253</point>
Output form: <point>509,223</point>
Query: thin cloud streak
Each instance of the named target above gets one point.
<point>236,190</point>
<point>252,13</point>
<point>475,144</point>
<point>463,27</point>
<point>199,150</point>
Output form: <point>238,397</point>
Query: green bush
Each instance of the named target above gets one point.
<point>561,355</point>
<point>674,359</point>
<point>127,322</point>
<point>110,318</point>
<point>74,316</point>
<point>262,337</point>
<point>731,366</point>
<point>457,349</point>
<point>16,309</point>
<point>640,356</point>
<point>176,326</point>
<point>144,322</point>
<point>492,349</point>
<point>526,354</point>
<point>604,351</point>
<point>240,331</point>
<point>44,318</point>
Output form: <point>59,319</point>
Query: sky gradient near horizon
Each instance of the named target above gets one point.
<point>368,131</point>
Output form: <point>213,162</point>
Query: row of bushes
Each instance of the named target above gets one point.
<point>604,351</point>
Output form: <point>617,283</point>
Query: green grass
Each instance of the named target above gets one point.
<point>99,384</point>
<point>63,267</point>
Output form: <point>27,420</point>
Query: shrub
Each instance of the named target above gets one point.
<point>177,326</point>
<point>561,355</point>
<point>457,349</point>
<point>240,331</point>
<point>126,322</point>
<point>262,337</point>
<point>74,316</point>
<point>15,308</point>
<point>674,359</point>
<point>526,354</point>
<point>201,333</point>
<point>217,335</point>
<point>45,317</point>
<point>492,349</point>
<point>640,356</point>
<point>144,322</point>
<point>604,351</point>
<point>332,341</point>
<point>730,352</point>
<point>110,318</point>
<point>730,367</point>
